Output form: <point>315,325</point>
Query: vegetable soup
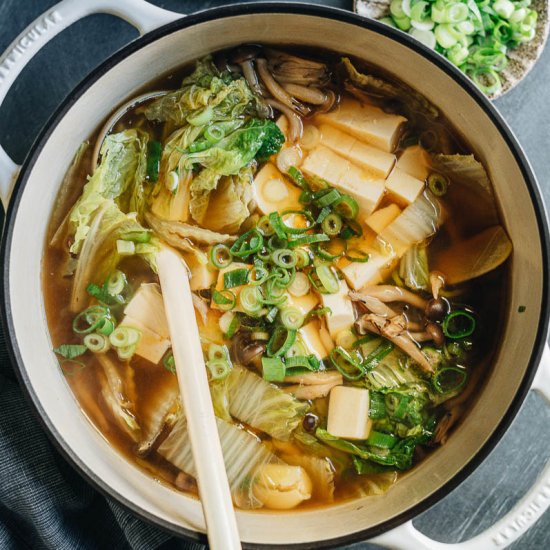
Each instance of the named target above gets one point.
<point>347,264</point>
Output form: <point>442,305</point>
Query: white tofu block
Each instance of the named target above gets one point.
<point>342,316</point>
<point>359,274</point>
<point>403,186</point>
<point>367,123</point>
<point>202,275</point>
<point>348,413</point>
<point>367,192</point>
<point>381,218</point>
<point>342,174</point>
<point>414,160</point>
<point>151,346</point>
<point>375,162</point>
<point>273,193</point>
<point>147,307</point>
<point>304,303</point>
<point>311,337</point>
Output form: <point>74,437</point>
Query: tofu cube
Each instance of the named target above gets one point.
<point>151,346</point>
<point>202,275</point>
<point>367,123</point>
<point>414,161</point>
<point>359,275</point>
<point>272,192</point>
<point>404,187</point>
<point>304,303</point>
<point>342,174</point>
<point>375,162</point>
<point>342,316</point>
<point>381,218</point>
<point>348,413</point>
<point>147,307</point>
<point>311,337</point>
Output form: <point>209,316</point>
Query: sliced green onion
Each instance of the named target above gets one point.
<point>125,353</point>
<point>93,317</point>
<point>328,279</point>
<point>280,342</point>
<point>323,214</point>
<point>356,255</point>
<point>438,184</point>
<point>300,286</point>
<point>302,258</point>
<point>292,317</point>
<point>309,362</point>
<point>220,256</point>
<point>284,257</point>
<point>274,294</point>
<point>219,369</point>
<point>169,362</point>
<point>250,300</point>
<point>332,224</point>
<point>298,178</point>
<point>98,343</point>
<point>347,207</point>
<point>248,243</point>
<point>71,351</point>
<point>377,405</point>
<point>278,226</point>
<point>449,379</point>
<point>272,314</point>
<point>106,327</point>
<point>326,197</point>
<point>123,337</point>
<point>235,277</point>
<point>116,283</point>
<point>137,236</point>
<point>304,214</point>
<point>348,365</point>
<point>302,240</point>
<point>275,242</point>
<point>318,312</point>
<point>264,226</point>
<point>228,323</point>
<point>257,275</point>
<point>334,249</point>
<point>351,229</point>
<point>459,324</point>
<point>218,353</point>
<point>382,440</point>
<point>273,369</point>
<point>224,299</point>
<point>504,8</point>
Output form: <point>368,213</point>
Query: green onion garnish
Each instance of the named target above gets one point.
<point>302,240</point>
<point>332,224</point>
<point>284,257</point>
<point>459,324</point>
<point>438,184</point>
<point>92,318</point>
<point>154,150</point>
<point>70,351</point>
<point>291,318</point>
<point>273,369</point>
<point>220,256</point>
<point>449,379</point>
<point>347,364</point>
<point>235,277</point>
<point>219,369</point>
<point>250,299</point>
<point>347,207</point>
<point>280,342</point>
<point>373,359</point>
<point>298,178</point>
<point>356,255</point>
<point>377,405</point>
<point>98,343</point>
<point>224,299</point>
<point>137,236</point>
<point>382,440</point>
<point>248,243</point>
<point>123,337</point>
<point>327,278</point>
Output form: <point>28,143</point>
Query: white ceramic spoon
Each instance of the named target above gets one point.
<point>212,480</point>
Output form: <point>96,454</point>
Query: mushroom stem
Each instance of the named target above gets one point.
<point>402,341</point>
<point>373,304</point>
<point>251,76</point>
<point>390,293</point>
<point>277,91</point>
<point>296,127</point>
<point>437,282</point>
<point>305,93</point>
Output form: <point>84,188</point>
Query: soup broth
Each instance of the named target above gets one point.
<point>346,259</point>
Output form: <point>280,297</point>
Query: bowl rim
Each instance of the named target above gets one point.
<point>289,8</point>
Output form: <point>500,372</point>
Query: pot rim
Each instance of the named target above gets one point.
<point>265,8</point>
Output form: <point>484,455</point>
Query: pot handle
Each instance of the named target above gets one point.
<point>139,13</point>
<point>505,531</point>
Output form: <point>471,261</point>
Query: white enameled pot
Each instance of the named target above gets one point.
<point>169,40</point>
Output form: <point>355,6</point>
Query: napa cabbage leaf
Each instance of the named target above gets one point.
<point>120,176</point>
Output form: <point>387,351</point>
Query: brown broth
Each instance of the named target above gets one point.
<point>486,296</point>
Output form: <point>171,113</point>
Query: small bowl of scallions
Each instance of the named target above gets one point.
<point>494,42</point>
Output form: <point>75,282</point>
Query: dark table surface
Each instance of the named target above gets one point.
<point>508,472</point>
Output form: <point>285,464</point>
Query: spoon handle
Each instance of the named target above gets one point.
<point>213,485</point>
